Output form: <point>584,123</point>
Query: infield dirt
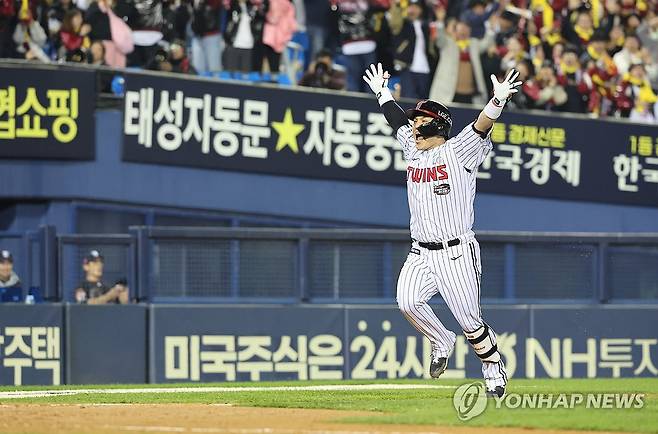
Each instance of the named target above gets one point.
<point>208,419</point>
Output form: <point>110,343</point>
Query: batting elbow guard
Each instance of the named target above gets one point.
<point>484,344</point>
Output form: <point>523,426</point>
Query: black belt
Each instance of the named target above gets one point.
<point>439,246</point>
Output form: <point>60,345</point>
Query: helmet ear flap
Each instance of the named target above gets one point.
<point>436,127</point>
<point>443,130</point>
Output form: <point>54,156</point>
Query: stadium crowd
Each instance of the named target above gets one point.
<point>597,56</point>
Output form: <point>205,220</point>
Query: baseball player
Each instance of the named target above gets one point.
<point>444,255</point>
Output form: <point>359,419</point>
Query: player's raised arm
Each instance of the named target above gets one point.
<point>377,79</point>
<point>503,91</point>
<point>473,143</point>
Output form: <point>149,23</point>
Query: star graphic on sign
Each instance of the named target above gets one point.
<point>288,131</point>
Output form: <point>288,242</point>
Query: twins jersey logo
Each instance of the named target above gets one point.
<point>427,174</point>
<point>441,183</point>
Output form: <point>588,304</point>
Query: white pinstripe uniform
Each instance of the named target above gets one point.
<point>441,190</point>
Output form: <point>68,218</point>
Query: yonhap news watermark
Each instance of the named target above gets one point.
<point>470,400</point>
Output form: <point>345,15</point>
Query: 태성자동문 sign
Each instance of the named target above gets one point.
<point>310,134</point>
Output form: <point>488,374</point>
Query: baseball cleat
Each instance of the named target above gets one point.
<point>438,365</point>
<point>498,392</point>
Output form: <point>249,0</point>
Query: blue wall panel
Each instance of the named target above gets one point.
<point>106,344</point>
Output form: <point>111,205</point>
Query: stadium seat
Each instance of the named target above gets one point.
<point>254,76</point>
<point>284,80</point>
<point>266,77</point>
<point>340,60</point>
<point>293,59</point>
<point>224,75</point>
<point>302,39</point>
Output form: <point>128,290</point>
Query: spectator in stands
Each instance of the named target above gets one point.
<point>29,36</point>
<point>478,13</point>
<point>7,14</point>
<point>318,24</point>
<point>322,73</point>
<point>56,15</point>
<point>356,39</point>
<point>575,81</point>
<point>514,54</point>
<point>507,27</point>
<point>146,33</point>
<point>459,76</point>
<point>628,55</point>
<point>178,59</point>
<point>92,290</point>
<point>581,31</point>
<point>414,50</point>
<point>647,32</point>
<point>602,70</point>
<point>244,28</point>
<point>96,54</point>
<point>381,33</point>
<point>616,40</point>
<point>8,278</point>
<point>207,41</point>
<point>176,15</point>
<point>634,93</point>
<point>300,17</point>
<point>551,94</point>
<point>73,34</point>
<point>278,29</point>
<point>491,64</point>
<point>525,98</point>
<point>108,26</point>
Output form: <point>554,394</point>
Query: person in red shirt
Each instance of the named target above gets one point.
<point>73,33</point>
<point>634,91</point>
<point>603,72</point>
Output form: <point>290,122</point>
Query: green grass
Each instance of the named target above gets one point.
<point>425,406</point>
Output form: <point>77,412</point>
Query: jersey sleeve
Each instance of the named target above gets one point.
<point>471,146</point>
<point>406,139</point>
<point>402,129</point>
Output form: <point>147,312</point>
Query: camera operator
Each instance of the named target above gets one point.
<point>322,73</point>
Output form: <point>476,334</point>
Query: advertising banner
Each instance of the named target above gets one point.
<point>31,344</point>
<point>47,113</point>
<point>311,134</point>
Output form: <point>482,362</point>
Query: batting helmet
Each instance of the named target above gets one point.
<point>440,125</point>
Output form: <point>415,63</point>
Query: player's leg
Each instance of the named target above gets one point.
<point>416,286</point>
<point>460,272</point>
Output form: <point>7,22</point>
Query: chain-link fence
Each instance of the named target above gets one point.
<point>333,265</point>
<point>555,271</point>
<point>348,265</point>
<point>632,272</point>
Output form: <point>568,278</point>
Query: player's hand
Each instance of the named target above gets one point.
<point>376,78</point>
<point>504,90</point>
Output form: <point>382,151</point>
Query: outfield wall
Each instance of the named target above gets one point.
<point>70,344</point>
